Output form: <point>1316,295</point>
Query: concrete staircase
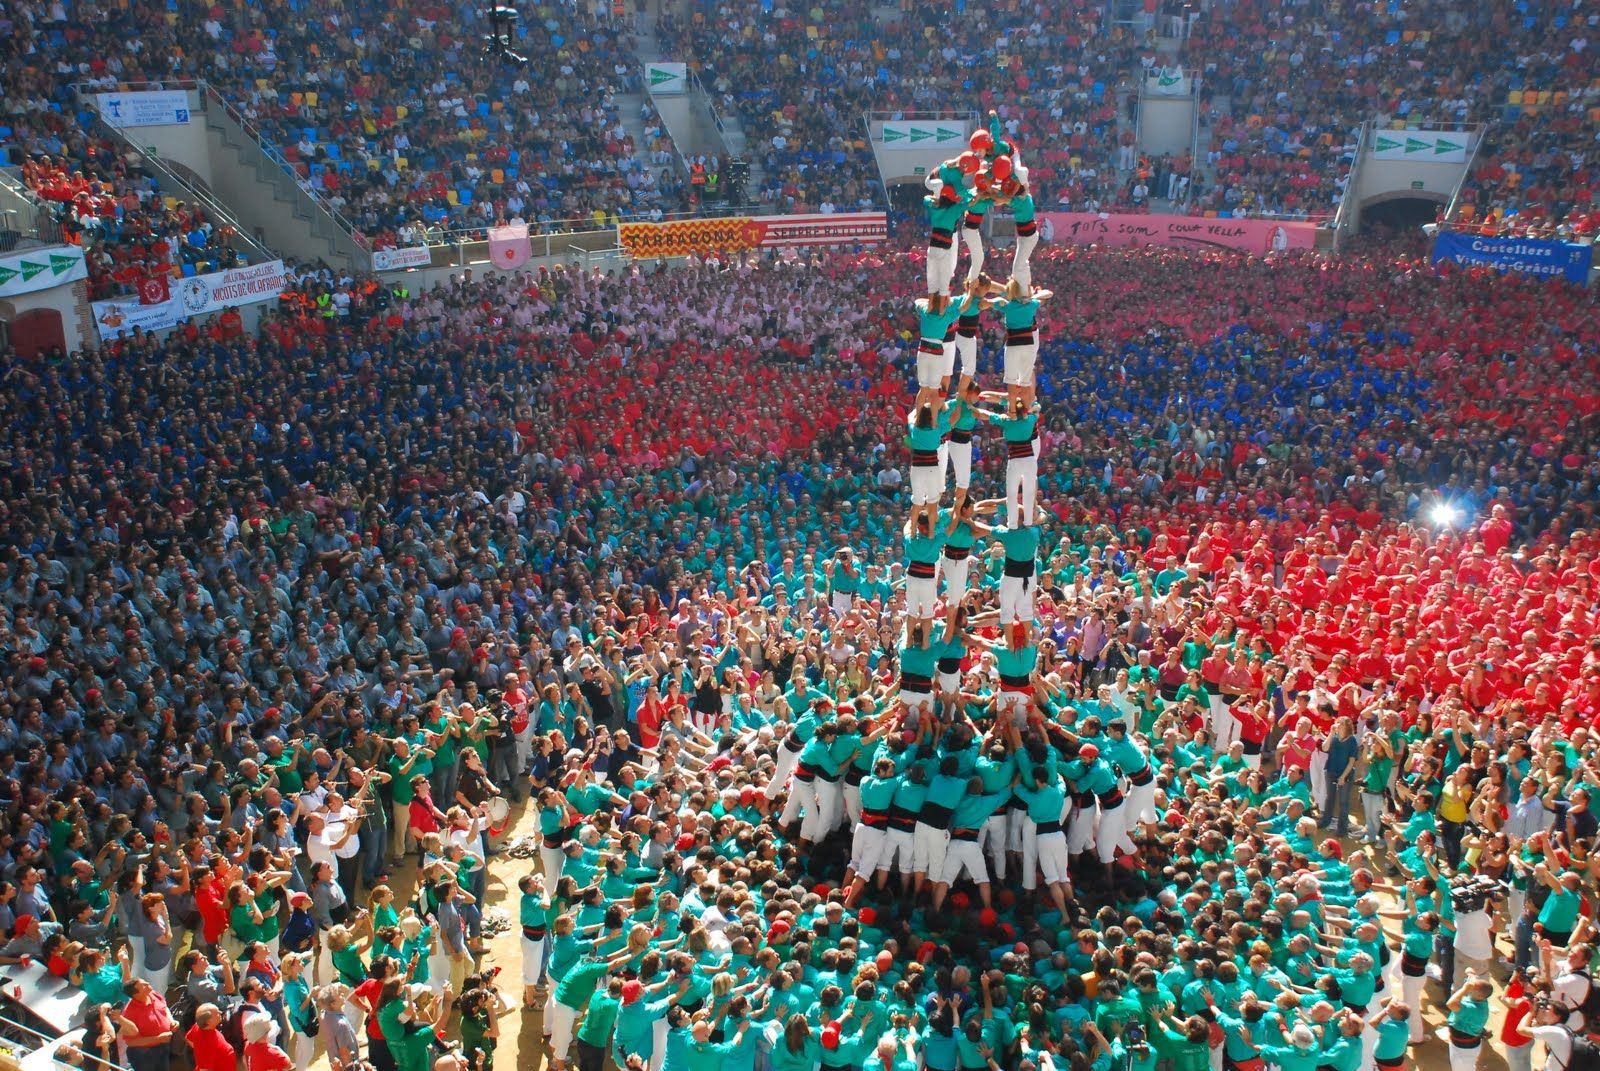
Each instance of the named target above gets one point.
<point>290,219</point>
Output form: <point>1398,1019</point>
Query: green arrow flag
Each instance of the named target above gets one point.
<point>891,134</point>
<point>920,135</point>
<point>657,76</point>
<point>1385,144</point>
<point>6,275</point>
<point>59,263</point>
<point>30,269</point>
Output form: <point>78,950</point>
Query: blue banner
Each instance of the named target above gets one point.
<point>1529,256</point>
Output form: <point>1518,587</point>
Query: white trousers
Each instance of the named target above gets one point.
<point>1021,264</point>
<point>899,852</point>
<point>1022,489</point>
<point>561,1020</point>
<point>958,457</point>
<point>992,839</point>
<point>1019,362</point>
<point>967,353</point>
<point>820,822</point>
<point>1080,833</point>
<point>941,266</point>
<point>551,860</point>
<point>533,953</point>
<point>963,855</point>
<point>781,772</point>
<point>1050,856</point>
<point>955,578</point>
<point>930,362</point>
<point>869,851</point>
<point>921,593</point>
<point>927,484</point>
<point>801,793</point>
<point>972,237</point>
<point>1113,833</point>
<point>1141,803</point>
<point>928,849</point>
<point>1016,599</point>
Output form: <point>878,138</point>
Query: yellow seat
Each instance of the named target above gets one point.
<point>312,97</point>
<point>401,111</point>
<point>401,163</point>
<point>1544,97</point>
<point>811,33</point>
<point>452,197</point>
<point>1514,97</point>
<point>263,84</point>
<point>373,163</point>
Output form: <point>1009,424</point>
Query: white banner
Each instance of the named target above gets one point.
<point>666,79</point>
<point>237,286</point>
<point>164,107</point>
<point>113,319</point>
<point>1429,146</point>
<point>40,269</point>
<point>413,256</point>
<point>909,134</point>
<point>198,296</point>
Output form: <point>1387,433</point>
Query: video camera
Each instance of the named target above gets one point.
<point>1476,892</point>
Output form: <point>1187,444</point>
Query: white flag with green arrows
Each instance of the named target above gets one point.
<point>40,269</point>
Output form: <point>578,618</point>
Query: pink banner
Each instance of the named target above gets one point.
<point>1181,232</point>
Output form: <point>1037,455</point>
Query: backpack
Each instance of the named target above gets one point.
<point>1589,1006</point>
<point>1585,1054</point>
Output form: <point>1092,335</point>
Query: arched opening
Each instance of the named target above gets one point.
<point>32,333</point>
<point>1399,214</point>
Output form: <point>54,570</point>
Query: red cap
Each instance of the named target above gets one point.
<point>1089,752</point>
<point>1000,168</point>
<point>981,140</point>
<point>868,915</point>
<point>685,842</point>
<point>987,917</point>
<point>23,922</point>
<point>631,991</point>
<point>778,929</point>
<point>969,163</point>
<point>830,1035</point>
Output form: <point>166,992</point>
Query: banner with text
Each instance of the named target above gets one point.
<point>667,79</point>
<point>1426,146</point>
<point>909,134</point>
<point>412,256</point>
<point>165,107</point>
<point>197,296</point>
<point>1527,256</point>
<point>1178,232</point>
<point>736,234</point>
<point>40,269</point>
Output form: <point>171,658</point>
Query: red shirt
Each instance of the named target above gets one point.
<point>265,1056</point>
<point>212,1052</point>
<point>369,991</point>
<point>213,914</point>
<point>149,1017</point>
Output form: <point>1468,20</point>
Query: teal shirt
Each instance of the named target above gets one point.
<point>1471,1017</point>
<point>1018,313</point>
<point>1021,544</point>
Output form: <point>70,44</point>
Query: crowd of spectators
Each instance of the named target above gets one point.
<point>245,578</point>
<point>1299,74</point>
<point>115,210</point>
<point>1051,70</point>
<point>392,115</point>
